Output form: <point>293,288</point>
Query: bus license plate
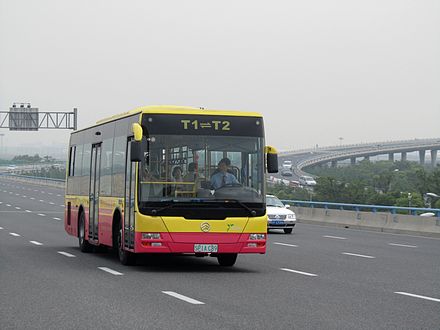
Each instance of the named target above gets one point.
<point>208,248</point>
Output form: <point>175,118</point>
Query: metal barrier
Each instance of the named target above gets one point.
<point>363,207</point>
<point>59,183</point>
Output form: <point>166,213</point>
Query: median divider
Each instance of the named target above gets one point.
<point>375,220</point>
<point>38,181</point>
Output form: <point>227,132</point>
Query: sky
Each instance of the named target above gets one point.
<point>321,72</point>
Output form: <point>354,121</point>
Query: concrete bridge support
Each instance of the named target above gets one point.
<point>422,156</point>
<point>391,157</point>
<point>404,157</point>
<point>334,163</point>
<point>353,160</point>
<point>433,157</point>
<point>367,158</point>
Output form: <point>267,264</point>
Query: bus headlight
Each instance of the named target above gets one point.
<point>150,236</point>
<point>254,237</point>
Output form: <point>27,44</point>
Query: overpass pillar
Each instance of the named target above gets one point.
<point>422,156</point>
<point>391,157</point>
<point>404,157</point>
<point>433,157</point>
<point>334,163</point>
<point>353,160</point>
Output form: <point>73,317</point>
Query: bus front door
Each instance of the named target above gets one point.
<point>94,192</point>
<point>130,185</point>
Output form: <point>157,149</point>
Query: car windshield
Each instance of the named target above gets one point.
<point>273,201</point>
<point>194,169</point>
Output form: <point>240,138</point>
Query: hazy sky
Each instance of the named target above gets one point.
<point>317,70</point>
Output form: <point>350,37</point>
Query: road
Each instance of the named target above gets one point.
<point>317,278</point>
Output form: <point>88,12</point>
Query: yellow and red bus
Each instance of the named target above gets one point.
<point>169,179</point>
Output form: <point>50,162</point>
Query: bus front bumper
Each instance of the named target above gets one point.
<point>192,243</point>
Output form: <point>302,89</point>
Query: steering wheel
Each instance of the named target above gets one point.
<point>229,185</point>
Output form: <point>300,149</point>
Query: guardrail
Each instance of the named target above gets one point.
<point>35,180</point>
<point>363,207</point>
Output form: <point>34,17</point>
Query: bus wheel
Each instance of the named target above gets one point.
<point>288,230</point>
<point>227,259</point>
<point>125,257</point>
<point>84,245</point>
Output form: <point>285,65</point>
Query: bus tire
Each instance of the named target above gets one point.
<point>125,257</point>
<point>288,230</point>
<point>84,245</point>
<point>227,259</point>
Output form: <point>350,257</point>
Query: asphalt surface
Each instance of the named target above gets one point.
<point>317,278</point>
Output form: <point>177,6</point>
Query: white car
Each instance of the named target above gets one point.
<point>278,215</point>
<point>307,181</point>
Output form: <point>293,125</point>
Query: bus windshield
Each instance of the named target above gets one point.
<point>201,168</point>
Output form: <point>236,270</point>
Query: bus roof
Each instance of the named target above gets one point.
<point>175,110</point>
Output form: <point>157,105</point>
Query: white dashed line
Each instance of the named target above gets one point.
<point>418,296</point>
<point>335,237</point>
<point>298,272</point>
<point>111,271</point>
<point>28,211</point>
<point>32,198</point>
<point>8,204</point>
<point>1,228</point>
<point>184,298</point>
<point>41,201</point>
<point>402,245</point>
<point>66,254</point>
<point>41,214</point>
<point>36,243</point>
<point>284,244</point>
<point>14,234</point>
<point>358,255</point>
<point>57,219</point>
<point>52,203</point>
<point>18,208</point>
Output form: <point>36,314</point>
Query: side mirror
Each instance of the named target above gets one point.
<point>136,151</point>
<point>137,131</point>
<point>287,206</point>
<point>271,159</point>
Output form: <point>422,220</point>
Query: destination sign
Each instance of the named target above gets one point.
<point>203,125</point>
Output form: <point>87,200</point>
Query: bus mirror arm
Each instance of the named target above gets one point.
<point>136,151</point>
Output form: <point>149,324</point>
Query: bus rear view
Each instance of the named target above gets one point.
<point>194,184</point>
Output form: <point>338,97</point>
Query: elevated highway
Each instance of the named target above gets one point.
<point>302,159</point>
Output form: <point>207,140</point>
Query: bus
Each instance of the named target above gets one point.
<point>147,181</point>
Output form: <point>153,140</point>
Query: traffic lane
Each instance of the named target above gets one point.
<point>20,196</point>
<point>257,295</point>
<point>44,289</point>
<point>379,264</point>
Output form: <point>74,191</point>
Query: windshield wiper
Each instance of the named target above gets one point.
<point>243,205</point>
<point>172,202</point>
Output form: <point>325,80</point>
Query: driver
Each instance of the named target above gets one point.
<point>222,176</point>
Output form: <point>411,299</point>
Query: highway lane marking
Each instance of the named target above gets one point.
<point>18,208</point>
<point>36,243</point>
<point>58,195</point>
<point>111,271</point>
<point>52,203</point>
<point>8,204</point>
<point>1,228</point>
<point>32,198</point>
<point>24,196</point>
<point>358,255</point>
<point>66,254</point>
<point>28,211</point>
<point>418,296</point>
<point>62,205</point>
<point>285,244</point>
<point>57,219</point>
<point>298,272</point>
<point>14,234</point>
<point>402,245</point>
<point>184,298</point>
<point>41,214</point>
<point>335,237</point>
<point>41,201</point>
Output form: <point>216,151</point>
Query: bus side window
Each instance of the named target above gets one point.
<point>72,161</point>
